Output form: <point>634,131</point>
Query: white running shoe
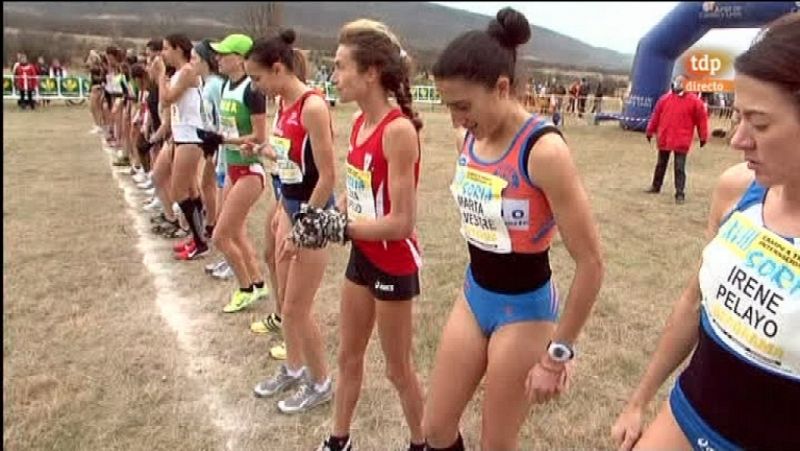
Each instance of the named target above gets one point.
<point>147,184</point>
<point>150,191</point>
<point>154,205</point>
<point>223,272</point>
<point>140,177</point>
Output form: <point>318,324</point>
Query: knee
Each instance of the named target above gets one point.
<point>350,363</point>
<point>400,374</point>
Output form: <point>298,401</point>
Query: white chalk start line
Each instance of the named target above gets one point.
<point>171,305</point>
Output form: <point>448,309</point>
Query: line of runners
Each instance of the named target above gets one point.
<point>192,120</point>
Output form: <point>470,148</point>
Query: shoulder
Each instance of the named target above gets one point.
<point>400,139</point>
<point>399,128</point>
<point>732,184</point>
<point>315,104</point>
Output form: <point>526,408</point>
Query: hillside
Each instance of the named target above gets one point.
<point>425,27</point>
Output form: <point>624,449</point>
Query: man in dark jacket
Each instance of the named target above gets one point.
<point>676,115</point>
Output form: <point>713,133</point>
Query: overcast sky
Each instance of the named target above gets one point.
<point>614,25</point>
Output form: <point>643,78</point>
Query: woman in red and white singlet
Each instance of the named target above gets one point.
<point>382,276</point>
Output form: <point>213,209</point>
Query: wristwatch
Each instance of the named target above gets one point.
<point>560,352</point>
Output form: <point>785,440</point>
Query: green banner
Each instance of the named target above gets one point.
<point>70,86</point>
<point>48,86</point>
<point>8,85</point>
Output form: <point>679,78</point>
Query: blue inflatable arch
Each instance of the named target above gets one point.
<point>682,27</point>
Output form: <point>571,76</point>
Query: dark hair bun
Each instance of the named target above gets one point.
<point>288,36</point>
<point>510,28</point>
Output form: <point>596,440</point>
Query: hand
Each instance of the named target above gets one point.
<point>649,138</point>
<point>628,428</point>
<point>287,250</point>
<point>159,70</point>
<point>248,148</point>
<point>266,150</point>
<point>702,143</point>
<point>547,380</point>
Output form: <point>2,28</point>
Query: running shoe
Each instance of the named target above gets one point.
<point>150,191</point>
<point>158,219</point>
<point>269,325</point>
<point>121,161</point>
<point>261,293</point>
<point>278,352</point>
<point>306,397</point>
<point>194,253</point>
<point>154,205</point>
<point>140,177</point>
<point>145,184</point>
<point>211,267</point>
<point>278,382</point>
<point>181,246</point>
<point>239,300</point>
<point>328,445</point>
<point>224,272</point>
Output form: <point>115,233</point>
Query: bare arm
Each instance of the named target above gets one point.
<point>258,136</point>
<point>551,166</point>
<point>681,331</point>
<point>401,149</point>
<point>317,120</point>
<point>186,79</point>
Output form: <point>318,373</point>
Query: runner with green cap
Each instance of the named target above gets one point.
<point>242,120</point>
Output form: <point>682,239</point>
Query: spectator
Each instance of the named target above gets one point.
<point>676,115</point>
<point>574,91</point>
<point>42,70</point>
<point>583,93</point>
<point>597,107</point>
<point>25,78</point>
<point>57,70</point>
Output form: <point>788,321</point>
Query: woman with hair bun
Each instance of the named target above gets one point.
<point>515,181</point>
<point>301,141</point>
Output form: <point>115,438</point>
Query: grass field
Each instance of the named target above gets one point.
<point>110,344</point>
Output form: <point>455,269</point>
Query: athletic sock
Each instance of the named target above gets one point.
<point>416,446</point>
<point>247,290</point>
<point>294,373</point>
<point>323,386</point>
<point>197,217</point>
<point>337,443</point>
<point>209,230</point>
<point>258,285</point>
<point>188,208</point>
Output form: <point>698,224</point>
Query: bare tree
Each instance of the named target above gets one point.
<point>263,18</point>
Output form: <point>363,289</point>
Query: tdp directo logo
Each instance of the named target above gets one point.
<point>708,70</point>
<point>707,63</point>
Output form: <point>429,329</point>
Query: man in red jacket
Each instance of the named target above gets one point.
<point>25,79</point>
<point>674,119</point>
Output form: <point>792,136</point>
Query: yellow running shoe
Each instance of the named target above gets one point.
<point>239,300</point>
<point>260,293</point>
<point>278,352</point>
<point>269,325</point>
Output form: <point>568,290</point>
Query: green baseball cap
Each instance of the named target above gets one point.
<point>234,43</point>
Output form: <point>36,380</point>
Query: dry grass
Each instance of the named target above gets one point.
<point>85,348</point>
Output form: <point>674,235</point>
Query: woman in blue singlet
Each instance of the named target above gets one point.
<point>741,389</point>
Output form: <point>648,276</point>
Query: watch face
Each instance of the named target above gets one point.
<point>559,353</point>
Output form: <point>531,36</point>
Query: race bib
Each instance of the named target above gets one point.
<point>750,282</point>
<point>175,113</point>
<point>288,171</point>
<point>360,200</point>
<point>228,127</point>
<point>480,201</point>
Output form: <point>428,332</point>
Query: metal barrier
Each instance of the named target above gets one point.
<point>71,87</point>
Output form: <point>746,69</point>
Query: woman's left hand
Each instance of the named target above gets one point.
<point>547,380</point>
